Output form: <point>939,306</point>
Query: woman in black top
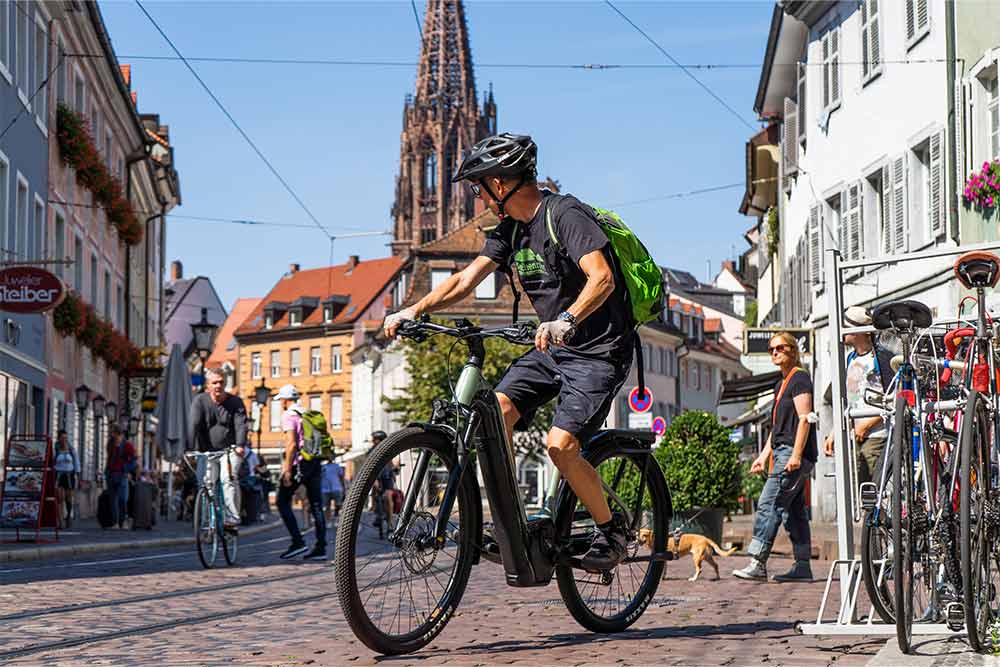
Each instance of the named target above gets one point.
<point>793,444</point>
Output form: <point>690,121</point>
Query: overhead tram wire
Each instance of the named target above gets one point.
<point>683,69</point>
<point>232,120</point>
<point>22,108</point>
<point>692,193</point>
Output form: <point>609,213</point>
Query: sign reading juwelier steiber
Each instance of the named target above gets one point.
<point>755,340</point>
<point>28,289</point>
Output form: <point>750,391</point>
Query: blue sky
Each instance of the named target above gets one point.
<point>333,132</point>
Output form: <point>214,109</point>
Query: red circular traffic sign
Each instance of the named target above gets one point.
<point>659,425</point>
<point>640,404</point>
<point>28,289</point>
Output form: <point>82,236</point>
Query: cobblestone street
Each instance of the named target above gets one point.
<point>160,607</point>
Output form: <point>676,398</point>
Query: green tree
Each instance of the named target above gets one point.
<point>750,318</point>
<point>432,377</point>
<point>700,462</point>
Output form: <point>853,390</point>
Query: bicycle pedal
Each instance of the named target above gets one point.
<point>954,615</point>
<point>869,495</point>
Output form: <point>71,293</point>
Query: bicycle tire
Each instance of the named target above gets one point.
<point>205,536</point>
<point>566,514</point>
<point>874,534</point>
<point>975,541</point>
<point>230,540</point>
<point>902,526</point>
<point>352,517</point>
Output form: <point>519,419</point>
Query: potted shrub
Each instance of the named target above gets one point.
<point>703,470</point>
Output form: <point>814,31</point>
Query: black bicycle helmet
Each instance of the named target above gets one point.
<point>503,155</point>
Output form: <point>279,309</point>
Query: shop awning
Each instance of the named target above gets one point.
<point>750,416</point>
<point>748,388</point>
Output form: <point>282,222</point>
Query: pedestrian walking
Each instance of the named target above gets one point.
<point>792,444</point>
<point>869,367</point>
<point>67,467</point>
<point>333,488</point>
<point>296,471</point>
<point>219,422</point>
<point>121,464</point>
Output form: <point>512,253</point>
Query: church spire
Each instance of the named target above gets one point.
<point>441,121</point>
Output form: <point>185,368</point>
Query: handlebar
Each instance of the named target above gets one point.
<point>940,363</point>
<point>519,333</point>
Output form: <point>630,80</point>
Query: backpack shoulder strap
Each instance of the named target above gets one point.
<point>515,235</point>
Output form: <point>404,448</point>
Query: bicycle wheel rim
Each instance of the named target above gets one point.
<point>902,527</point>
<point>204,529</point>
<point>616,604</point>
<point>980,593</point>
<point>398,595</point>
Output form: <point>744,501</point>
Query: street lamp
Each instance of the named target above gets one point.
<point>261,396</point>
<point>99,403</point>
<point>111,411</point>
<point>82,395</point>
<point>204,334</point>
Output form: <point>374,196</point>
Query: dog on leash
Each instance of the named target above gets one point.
<point>702,550</point>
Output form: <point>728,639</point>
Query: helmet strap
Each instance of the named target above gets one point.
<point>501,201</point>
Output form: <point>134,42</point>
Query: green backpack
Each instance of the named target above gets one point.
<point>316,440</point>
<point>643,278</point>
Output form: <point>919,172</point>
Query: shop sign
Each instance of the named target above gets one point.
<point>27,289</point>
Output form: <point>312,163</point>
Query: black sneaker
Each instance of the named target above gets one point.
<point>607,549</point>
<point>297,549</point>
<point>318,553</point>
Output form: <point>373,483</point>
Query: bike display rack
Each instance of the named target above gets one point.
<point>847,568</point>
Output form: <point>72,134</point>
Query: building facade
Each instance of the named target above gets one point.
<point>184,299</point>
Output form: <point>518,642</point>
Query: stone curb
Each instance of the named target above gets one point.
<point>70,550</point>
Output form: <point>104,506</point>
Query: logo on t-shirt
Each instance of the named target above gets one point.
<point>529,263</point>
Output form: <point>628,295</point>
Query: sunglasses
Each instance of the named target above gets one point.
<point>475,188</point>
<point>779,348</point>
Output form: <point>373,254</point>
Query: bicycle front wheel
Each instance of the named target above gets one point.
<point>979,567</point>
<point>206,536</point>
<point>398,594</point>
<point>230,538</point>
<point>902,525</point>
<point>612,601</point>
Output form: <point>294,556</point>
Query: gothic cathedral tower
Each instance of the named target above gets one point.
<point>440,123</point>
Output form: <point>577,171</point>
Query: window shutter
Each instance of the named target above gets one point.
<point>857,227</point>
<point>815,246</point>
<point>835,66</point>
<point>899,231</point>
<point>801,113</point>
<point>791,137</point>
<point>911,25</point>
<point>873,35</point>
<point>936,198</point>
<point>923,14</point>
<point>825,41</point>
<point>887,216</point>
<point>866,65</point>
<point>843,238</point>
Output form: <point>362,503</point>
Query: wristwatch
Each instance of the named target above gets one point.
<point>567,316</point>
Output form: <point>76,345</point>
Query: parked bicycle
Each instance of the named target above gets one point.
<point>210,532</point>
<point>399,594</point>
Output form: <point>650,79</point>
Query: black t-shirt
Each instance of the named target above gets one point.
<point>552,277</point>
<point>786,420</point>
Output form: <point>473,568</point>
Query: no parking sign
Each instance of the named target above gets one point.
<point>640,403</point>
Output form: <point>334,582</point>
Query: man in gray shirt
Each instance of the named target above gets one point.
<point>219,421</point>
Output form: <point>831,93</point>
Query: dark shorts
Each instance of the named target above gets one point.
<point>66,480</point>
<point>586,387</point>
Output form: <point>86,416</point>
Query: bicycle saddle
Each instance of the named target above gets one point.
<point>902,315</point>
<point>977,269</point>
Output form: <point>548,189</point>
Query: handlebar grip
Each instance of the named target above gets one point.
<point>941,406</point>
<point>862,413</point>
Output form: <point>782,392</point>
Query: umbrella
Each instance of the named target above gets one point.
<point>173,408</point>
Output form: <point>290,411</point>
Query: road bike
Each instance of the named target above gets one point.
<point>398,594</point>
<point>210,531</point>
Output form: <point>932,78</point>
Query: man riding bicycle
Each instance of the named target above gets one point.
<point>584,343</point>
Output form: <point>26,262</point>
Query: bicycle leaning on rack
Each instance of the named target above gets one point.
<point>398,594</point>
<point>210,531</point>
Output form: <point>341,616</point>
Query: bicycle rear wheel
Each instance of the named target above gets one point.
<point>902,525</point>
<point>206,535</point>
<point>979,567</point>
<point>398,594</point>
<point>612,601</point>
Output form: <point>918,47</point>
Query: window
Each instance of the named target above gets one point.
<point>315,363</point>
<point>41,71</point>
<point>801,69</point>
<point>79,92</point>
<point>430,174</point>
<point>708,378</point>
<point>337,411</point>
<point>871,49</point>
<point>894,196</point>
<point>831,69</point>
<point>23,63</point>
<point>93,280</point>
<point>336,362</point>
<point>295,361</point>
<point>814,275</point>
<point>61,73</point>
<point>107,296</point>
<point>275,364</point>
<point>5,38</point>
<point>993,112</point>
<point>295,318</point>
<point>316,403</point>
<point>488,288</point>
<point>327,314</point>
<point>697,376</point>
<point>918,21</point>
<point>684,372</point>
<point>78,264</point>
<point>256,372</point>
<point>60,249</point>
<point>438,276</point>
<point>268,320</point>
<point>275,415</point>
<point>851,224</point>
<point>837,223</point>
<point>39,239</point>
<point>120,306</point>
<point>20,236</point>
<point>399,291</point>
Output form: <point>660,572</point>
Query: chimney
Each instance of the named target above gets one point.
<point>294,268</point>
<point>352,261</point>
<point>176,270</point>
